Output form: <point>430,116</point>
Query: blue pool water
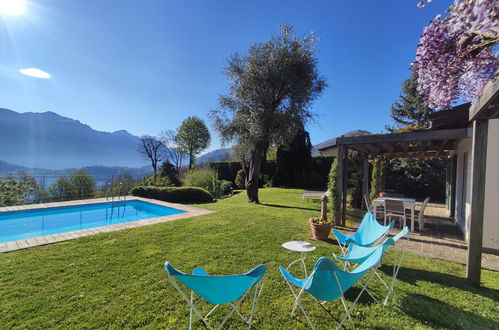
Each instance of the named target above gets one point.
<point>17,225</point>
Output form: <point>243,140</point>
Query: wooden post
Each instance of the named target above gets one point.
<point>341,187</point>
<point>453,186</point>
<point>474,264</point>
<point>365,179</point>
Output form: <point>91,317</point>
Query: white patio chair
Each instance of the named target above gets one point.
<point>370,207</point>
<point>367,201</point>
<point>395,209</point>
<point>421,213</point>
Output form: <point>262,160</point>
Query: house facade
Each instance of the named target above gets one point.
<point>464,182</point>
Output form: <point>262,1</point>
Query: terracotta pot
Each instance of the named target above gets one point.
<point>320,231</point>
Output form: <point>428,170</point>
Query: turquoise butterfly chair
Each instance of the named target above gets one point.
<point>218,290</point>
<point>357,254</point>
<point>328,282</point>
<point>368,233</point>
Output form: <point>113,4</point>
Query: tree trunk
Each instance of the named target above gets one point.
<point>254,173</point>
<point>191,160</point>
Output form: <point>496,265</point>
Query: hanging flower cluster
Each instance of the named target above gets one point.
<point>456,55</point>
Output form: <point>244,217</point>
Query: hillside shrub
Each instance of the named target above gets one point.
<point>174,194</point>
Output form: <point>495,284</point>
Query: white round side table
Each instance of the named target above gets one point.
<point>303,248</point>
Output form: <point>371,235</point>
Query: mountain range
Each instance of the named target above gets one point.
<point>48,140</point>
<point>43,142</point>
<point>216,155</point>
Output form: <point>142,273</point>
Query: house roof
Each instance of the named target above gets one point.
<point>447,128</point>
<point>457,117</point>
<point>332,142</point>
<point>426,143</point>
<point>487,106</point>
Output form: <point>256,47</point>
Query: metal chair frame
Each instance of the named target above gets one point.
<point>256,287</point>
<point>348,310</point>
<point>396,267</point>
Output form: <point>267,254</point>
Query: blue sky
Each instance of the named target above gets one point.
<point>145,65</point>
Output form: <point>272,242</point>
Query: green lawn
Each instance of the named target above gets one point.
<point>117,280</point>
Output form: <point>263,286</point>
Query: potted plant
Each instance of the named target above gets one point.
<point>320,227</point>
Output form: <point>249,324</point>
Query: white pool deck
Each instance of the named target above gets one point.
<point>190,211</point>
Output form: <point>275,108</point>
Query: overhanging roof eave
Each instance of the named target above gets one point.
<point>421,135</point>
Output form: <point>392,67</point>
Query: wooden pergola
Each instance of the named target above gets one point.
<point>430,143</point>
<point>433,143</point>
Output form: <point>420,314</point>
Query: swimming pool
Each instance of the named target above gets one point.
<point>17,225</point>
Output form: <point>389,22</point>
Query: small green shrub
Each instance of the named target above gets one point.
<point>222,188</point>
<point>335,196</point>
<point>168,170</point>
<point>240,179</point>
<point>378,176</point>
<point>203,178</point>
<point>174,194</point>
<point>156,181</point>
<point>13,192</point>
<point>208,179</point>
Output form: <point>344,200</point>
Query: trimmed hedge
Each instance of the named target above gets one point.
<point>226,170</point>
<point>174,194</point>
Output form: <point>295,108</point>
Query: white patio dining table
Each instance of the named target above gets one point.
<point>409,204</point>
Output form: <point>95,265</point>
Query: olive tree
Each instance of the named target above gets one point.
<point>271,89</point>
<point>193,137</point>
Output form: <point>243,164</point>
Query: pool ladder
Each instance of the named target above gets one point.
<point>110,192</point>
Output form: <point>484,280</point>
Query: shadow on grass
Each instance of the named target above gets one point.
<point>290,207</point>
<point>331,241</point>
<point>365,298</point>
<point>411,276</point>
<point>439,314</point>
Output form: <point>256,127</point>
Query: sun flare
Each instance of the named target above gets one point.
<point>12,7</point>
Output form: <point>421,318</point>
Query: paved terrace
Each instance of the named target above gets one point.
<point>442,239</point>
<point>190,211</point>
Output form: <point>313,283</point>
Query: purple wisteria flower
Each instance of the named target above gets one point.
<point>456,55</point>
